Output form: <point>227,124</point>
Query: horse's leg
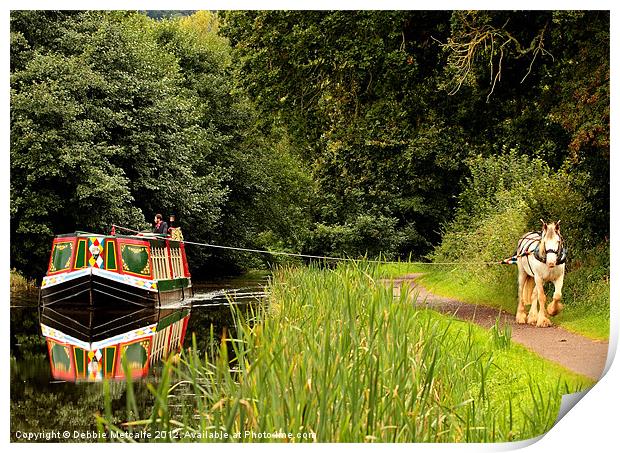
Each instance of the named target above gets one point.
<point>542,320</point>
<point>527,289</point>
<point>521,316</point>
<point>555,307</point>
<point>532,316</point>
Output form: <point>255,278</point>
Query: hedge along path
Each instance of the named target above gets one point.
<point>574,352</point>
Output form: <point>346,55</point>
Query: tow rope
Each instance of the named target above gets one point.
<point>511,260</point>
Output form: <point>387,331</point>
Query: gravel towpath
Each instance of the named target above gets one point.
<point>575,352</point>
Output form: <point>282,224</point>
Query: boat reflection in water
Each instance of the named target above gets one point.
<point>90,345</point>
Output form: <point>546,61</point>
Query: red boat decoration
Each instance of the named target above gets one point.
<point>92,270</point>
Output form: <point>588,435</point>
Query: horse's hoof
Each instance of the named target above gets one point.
<point>543,322</point>
<point>555,308</point>
<point>520,318</point>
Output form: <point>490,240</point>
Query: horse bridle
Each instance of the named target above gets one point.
<point>560,251</point>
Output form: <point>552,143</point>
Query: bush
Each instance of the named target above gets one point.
<point>505,197</point>
<point>20,283</point>
<point>367,235</point>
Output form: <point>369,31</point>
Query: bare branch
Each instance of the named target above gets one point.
<point>474,40</point>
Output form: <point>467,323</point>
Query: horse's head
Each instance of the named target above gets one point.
<point>550,243</point>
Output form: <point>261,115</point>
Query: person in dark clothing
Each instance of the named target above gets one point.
<point>161,227</point>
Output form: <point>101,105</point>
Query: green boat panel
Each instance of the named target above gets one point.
<point>79,361</point>
<point>136,354</point>
<point>61,256</point>
<point>60,357</point>
<point>173,284</point>
<point>110,259</point>
<point>80,255</point>
<point>169,320</point>
<point>135,259</point>
<point>110,356</point>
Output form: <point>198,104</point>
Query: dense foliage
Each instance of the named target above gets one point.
<point>325,132</point>
<point>115,117</point>
<point>389,106</point>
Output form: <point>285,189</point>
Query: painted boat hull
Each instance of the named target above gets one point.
<point>93,288</point>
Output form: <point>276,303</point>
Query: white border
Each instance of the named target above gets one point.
<point>591,426</point>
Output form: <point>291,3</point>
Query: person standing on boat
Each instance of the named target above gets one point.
<point>161,227</point>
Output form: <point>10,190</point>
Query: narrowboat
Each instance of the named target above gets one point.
<point>91,345</point>
<point>92,270</point>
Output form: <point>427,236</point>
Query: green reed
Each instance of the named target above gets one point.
<point>335,357</point>
<point>501,334</point>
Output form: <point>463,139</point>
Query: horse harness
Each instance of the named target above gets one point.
<point>523,248</point>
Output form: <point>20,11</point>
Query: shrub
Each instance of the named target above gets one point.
<point>504,197</point>
<point>367,235</point>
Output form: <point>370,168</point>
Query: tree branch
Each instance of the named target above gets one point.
<point>465,47</point>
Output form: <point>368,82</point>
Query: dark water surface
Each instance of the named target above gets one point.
<point>57,388</point>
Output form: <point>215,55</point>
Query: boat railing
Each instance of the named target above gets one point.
<point>159,257</point>
<point>177,262</point>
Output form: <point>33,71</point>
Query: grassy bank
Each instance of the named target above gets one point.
<point>334,358</point>
<point>585,293</point>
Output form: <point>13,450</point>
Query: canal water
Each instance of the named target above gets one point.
<point>60,358</point>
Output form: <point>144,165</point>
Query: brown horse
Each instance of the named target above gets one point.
<point>541,258</point>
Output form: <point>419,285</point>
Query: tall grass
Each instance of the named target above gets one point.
<point>19,283</point>
<point>335,358</point>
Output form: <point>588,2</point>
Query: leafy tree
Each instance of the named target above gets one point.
<point>386,106</point>
<point>581,102</point>
<point>266,186</point>
<point>341,132</point>
<point>57,158</point>
<point>559,110</point>
<point>100,123</point>
<point>115,117</point>
<point>351,88</point>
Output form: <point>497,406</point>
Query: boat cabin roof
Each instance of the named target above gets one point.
<point>141,236</point>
